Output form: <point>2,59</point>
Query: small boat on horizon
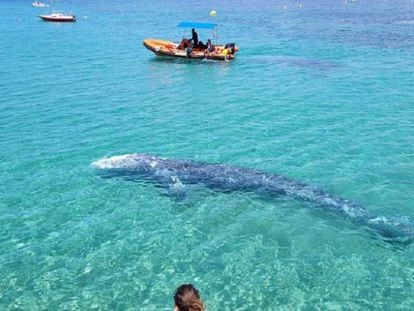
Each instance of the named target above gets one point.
<point>40,4</point>
<point>185,49</point>
<point>58,17</point>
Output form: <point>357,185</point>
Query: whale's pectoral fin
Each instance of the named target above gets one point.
<point>176,188</point>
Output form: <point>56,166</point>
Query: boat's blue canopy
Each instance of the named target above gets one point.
<point>197,25</point>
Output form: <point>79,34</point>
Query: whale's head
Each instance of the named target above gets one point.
<point>127,165</point>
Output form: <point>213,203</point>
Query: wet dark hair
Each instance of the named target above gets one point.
<point>187,298</point>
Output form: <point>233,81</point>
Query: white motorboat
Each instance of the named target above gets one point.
<point>58,17</point>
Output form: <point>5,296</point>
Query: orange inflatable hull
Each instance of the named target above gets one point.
<point>171,49</point>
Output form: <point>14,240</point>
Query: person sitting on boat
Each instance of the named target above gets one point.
<point>210,46</point>
<point>185,43</point>
<point>189,51</point>
<point>194,38</point>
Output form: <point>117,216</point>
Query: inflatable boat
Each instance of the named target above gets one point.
<point>192,50</point>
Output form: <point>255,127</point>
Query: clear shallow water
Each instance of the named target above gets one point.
<point>321,93</point>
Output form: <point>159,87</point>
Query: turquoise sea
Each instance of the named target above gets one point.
<point>321,91</point>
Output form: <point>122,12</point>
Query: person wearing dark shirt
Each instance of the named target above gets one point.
<point>194,38</point>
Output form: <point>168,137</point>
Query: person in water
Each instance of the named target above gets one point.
<point>187,298</point>
<point>194,38</point>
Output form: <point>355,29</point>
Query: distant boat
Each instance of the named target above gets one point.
<point>57,17</point>
<point>39,4</point>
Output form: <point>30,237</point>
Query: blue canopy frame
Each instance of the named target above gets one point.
<point>197,25</point>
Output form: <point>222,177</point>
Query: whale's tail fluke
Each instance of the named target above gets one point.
<point>393,230</point>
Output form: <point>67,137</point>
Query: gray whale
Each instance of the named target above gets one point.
<point>222,177</point>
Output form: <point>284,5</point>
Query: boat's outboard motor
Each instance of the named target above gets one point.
<point>231,47</point>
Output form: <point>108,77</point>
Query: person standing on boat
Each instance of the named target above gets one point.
<point>194,38</point>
